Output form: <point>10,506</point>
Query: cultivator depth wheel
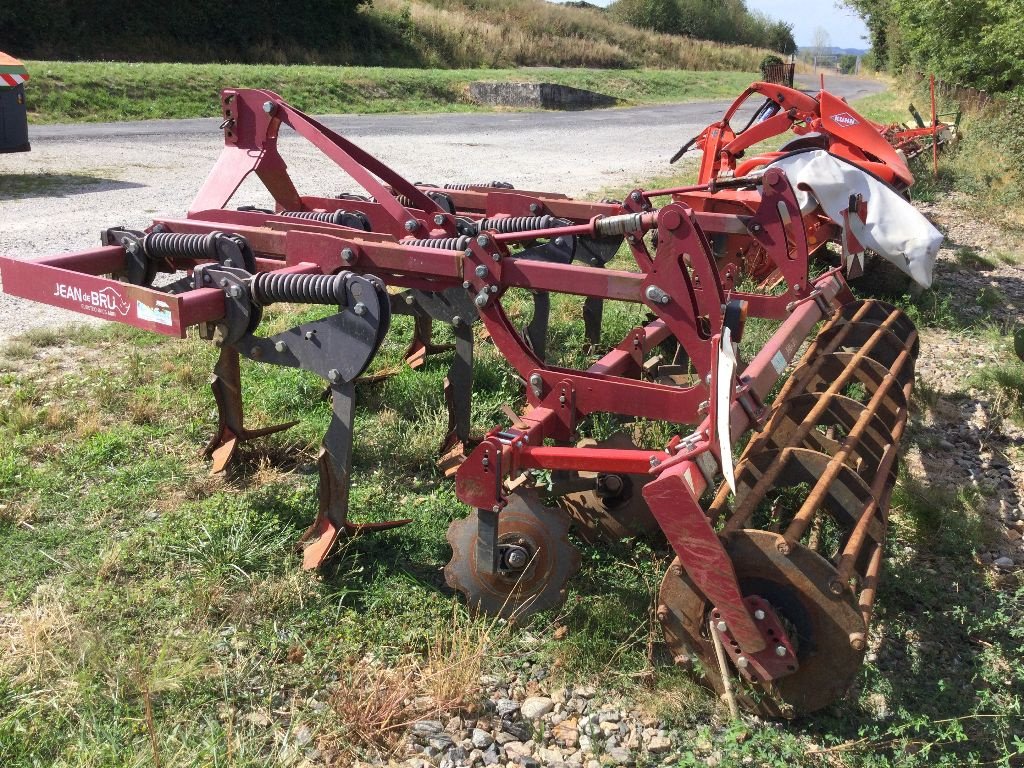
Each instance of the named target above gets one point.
<point>535,559</point>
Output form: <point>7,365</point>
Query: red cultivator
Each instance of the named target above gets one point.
<point>782,571</point>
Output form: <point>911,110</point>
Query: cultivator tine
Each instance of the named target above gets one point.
<point>458,400</point>
<point>334,463</point>
<point>226,384</point>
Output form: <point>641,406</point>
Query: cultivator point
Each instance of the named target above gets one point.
<point>783,565</point>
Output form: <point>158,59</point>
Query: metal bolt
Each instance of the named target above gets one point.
<point>333,375</point>
<point>662,612</point>
<point>235,291</point>
<point>481,298</point>
<point>439,219</point>
<point>496,509</point>
<point>534,208</point>
<point>517,558</point>
<point>558,241</point>
<point>410,299</point>
<point>635,197</point>
<point>857,641</point>
<point>412,225</point>
<point>483,240</point>
<point>481,270</point>
<point>796,287</point>
<point>207,279</point>
<point>561,399</point>
<point>655,461</point>
<point>756,228</point>
<point>677,570</point>
<point>255,353</point>
<point>359,308</point>
<point>720,626</point>
<point>494,289</point>
<point>655,294</point>
<point>465,284</point>
<point>741,662</point>
<point>759,614</point>
<point>347,254</point>
<point>536,382</point>
<point>309,335</point>
<point>780,651</point>
<point>280,346</point>
<point>683,660</point>
<point>456,320</point>
<point>495,257</point>
<point>269,107</point>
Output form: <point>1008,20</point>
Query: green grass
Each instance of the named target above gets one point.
<point>103,91</point>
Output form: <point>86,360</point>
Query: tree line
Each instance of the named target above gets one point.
<point>724,21</point>
<point>978,43</point>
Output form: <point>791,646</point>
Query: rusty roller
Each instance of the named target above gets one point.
<point>806,528</point>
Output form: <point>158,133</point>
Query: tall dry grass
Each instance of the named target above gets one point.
<point>501,33</point>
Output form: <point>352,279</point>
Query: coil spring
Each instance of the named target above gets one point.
<point>516,224</point>
<point>459,243</point>
<point>405,201</point>
<point>170,245</point>
<point>354,219</point>
<point>268,287</point>
<point>490,184</point>
<point>619,225</point>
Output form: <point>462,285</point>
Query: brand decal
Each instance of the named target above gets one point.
<point>846,120</point>
<point>106,301</point>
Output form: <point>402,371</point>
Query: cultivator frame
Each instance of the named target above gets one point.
<point>451,255</point>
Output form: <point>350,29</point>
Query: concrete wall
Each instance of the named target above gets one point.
<point>538,95</point>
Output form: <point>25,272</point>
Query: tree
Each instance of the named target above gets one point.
<point>820,42</point>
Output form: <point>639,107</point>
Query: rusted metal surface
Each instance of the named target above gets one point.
<point>535,559</point>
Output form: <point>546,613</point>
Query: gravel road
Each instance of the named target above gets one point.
<point>82,178</point>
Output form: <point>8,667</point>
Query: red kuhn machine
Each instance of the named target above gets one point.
<point>778,564</point>
<point>850,173</point>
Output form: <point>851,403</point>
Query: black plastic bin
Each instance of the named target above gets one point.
<point>13,120</point>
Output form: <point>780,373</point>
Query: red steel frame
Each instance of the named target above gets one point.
<point>681,268</point>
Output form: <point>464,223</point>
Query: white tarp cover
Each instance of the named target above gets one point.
<point>894,229</point>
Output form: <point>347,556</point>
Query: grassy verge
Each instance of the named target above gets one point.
<point>98,91</point>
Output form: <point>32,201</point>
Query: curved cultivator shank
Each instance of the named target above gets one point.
<point>782,569</point>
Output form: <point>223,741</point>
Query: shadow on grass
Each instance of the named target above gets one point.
<point>18,186</point>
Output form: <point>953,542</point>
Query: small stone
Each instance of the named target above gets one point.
<point>585,691</point>
<point>548,755</point>
<point>586,744</point>
<point>481,739</point>
<point>1003,563</point>
<point>536,707</point>
<point>520,731</point>
<point>441,741</point>
<point>427,728</point>
<point>609,716</point>
<point>658,744</point>
<point>619,755</point>
<point>491,755</point>
<point>454,725</point>
<point>565,733</point>
<point>514,748</point>
<point>506,707</point>
<point>504,737</point>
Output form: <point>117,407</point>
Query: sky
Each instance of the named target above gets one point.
<point>844,27</point>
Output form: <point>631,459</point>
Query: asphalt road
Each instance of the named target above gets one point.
<point>82,178</point>
<point>460,124</point>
